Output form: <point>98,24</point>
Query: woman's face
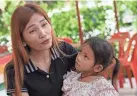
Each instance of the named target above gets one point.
<point>37,33</point>
<point>85,59</point>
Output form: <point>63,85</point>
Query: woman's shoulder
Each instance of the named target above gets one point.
<point>67,48</point>
<point>9,66</point>
<point>64,45</point>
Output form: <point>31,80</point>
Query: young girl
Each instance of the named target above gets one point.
<point>95,56</point>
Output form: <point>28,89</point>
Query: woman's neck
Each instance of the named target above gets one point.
<point>40,54</point>
<point>41,59</point>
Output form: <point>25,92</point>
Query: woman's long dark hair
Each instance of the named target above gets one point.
<point>104,54</point>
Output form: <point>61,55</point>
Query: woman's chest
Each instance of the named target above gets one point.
<point>40,82</point>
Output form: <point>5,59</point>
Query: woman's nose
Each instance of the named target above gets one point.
<point>42,33</point>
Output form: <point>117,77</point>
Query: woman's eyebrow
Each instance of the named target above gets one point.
<point>30,26</point>
<point>35,24</point>
<point>42,20</point>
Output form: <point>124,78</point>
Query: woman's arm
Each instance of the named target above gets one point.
<point>10,82</point>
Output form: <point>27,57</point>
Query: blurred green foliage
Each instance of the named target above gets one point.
<point>64,21</point>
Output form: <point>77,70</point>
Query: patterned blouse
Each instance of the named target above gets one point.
<point>98,87</point>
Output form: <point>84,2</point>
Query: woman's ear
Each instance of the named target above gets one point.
<point>98,68</point>
<point>24,44</point>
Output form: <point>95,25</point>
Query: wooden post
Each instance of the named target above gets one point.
<point>79,23</point>
<point>116,17</point>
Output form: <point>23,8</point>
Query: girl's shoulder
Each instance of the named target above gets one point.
<point>102,83</point>
<point>102,87</point>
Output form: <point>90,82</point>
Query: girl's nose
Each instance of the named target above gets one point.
<point>78,57</point>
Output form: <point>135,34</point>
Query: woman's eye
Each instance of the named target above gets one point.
<point>32,31</point>
<point>43,25</point>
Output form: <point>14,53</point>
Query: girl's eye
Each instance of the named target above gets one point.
<point>86,56</point>
<point>80,50</point>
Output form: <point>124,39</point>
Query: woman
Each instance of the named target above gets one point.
<point>39,60</point>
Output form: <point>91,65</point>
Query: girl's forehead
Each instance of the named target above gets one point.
<point>86,47</point>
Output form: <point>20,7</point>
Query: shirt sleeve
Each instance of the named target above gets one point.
<point>11,82</point>
<point>72,52</point>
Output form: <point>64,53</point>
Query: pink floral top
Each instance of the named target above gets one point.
<point>98,87</point>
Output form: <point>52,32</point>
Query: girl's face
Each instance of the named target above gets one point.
<point>37,33</point>
<point>85,59</point>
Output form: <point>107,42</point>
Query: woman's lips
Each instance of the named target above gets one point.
<point>45,42</point>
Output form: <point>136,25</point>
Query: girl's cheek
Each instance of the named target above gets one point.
<point>79,57</point>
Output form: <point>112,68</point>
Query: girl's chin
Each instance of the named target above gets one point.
<point>78,70</point>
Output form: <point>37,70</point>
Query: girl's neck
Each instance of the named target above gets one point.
<point>88,77</point>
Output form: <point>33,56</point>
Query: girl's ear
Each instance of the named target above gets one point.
<point>98,68</point>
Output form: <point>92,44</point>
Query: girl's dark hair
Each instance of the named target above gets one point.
<point>104,54</point>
